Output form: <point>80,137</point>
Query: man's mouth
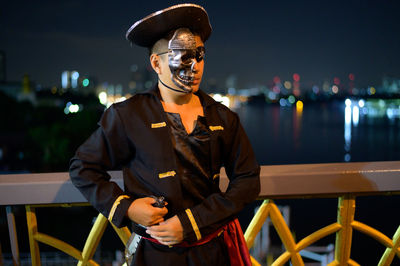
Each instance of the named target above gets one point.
<point>186,77</point>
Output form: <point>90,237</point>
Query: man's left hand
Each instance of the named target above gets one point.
<point>168,233</point>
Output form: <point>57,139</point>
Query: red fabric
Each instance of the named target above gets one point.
<point>238,252</point>
<point>233,236</point>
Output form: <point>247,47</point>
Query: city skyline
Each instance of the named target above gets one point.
<point>255,42</point>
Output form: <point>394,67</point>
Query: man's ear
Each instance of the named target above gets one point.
<point>155,63</point>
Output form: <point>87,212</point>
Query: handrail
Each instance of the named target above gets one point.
<point>342,180</point>
<point>277,181</point>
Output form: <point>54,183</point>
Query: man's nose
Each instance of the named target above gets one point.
<point>193,66</point>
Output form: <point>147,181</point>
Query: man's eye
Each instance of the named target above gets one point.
<point>200,52</point>
<point>187,56</point>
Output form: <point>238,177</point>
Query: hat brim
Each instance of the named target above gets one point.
<point>147,31</point>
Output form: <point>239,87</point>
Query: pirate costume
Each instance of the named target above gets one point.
<point>159,158</point>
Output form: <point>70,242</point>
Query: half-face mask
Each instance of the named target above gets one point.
<point>182,57</point>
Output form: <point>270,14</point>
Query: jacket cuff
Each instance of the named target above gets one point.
<point>118,211</point>
<point>191,231</point>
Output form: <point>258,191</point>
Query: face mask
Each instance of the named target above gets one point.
<point>182,57</point>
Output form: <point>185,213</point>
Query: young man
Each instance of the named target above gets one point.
<point>172,142</point>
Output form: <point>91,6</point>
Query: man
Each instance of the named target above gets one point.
<point>172,141</point>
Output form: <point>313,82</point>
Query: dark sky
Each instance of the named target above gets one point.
<point>255,40</point>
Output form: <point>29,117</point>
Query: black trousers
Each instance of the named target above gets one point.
<point>213,253</point>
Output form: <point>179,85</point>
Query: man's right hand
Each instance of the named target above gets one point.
<point>143,212</point>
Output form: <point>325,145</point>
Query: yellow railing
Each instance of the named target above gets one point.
<point>85,256</point>
<point>343,229</point>
<point>343,181</point>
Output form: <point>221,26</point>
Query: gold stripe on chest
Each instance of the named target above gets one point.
<point>158,125</point>
<point>167,174</point>
<point>214,128</point>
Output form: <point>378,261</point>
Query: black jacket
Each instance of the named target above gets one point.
<point>134,135</point>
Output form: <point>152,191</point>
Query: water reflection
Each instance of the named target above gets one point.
<point>373,109</point>
<point>354,130</point>
<point>347,131</point>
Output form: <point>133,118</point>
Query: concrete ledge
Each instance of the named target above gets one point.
<point>278,181</point>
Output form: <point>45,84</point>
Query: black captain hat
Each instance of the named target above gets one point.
<point>150,29</point>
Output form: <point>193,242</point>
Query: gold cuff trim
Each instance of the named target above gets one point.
<point>214,128</point>
<point>215,176</point>
<point>166,174</point>
<point>158,125</point>
<point>194,224</point>
<point>115,205</point>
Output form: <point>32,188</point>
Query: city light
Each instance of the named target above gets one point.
<point>222,99</point>
<point>226,101</point>
<point>277,80</point>
<point>299,106</point>
<point>85,82</point>
<point>103,98</point>
<point>272,96</point>
<point>336,81</point>
<point>356,115</point>
<point>296,77</point>
<point>371,90</point>
<point>65,79</point>
<point>75,75</point>
<point>71,108</point>
<point>347,115</point>
<point>291,99</point>
<point>217,97</point>
<point>74,79</point>
<point>287,85</point>
<point>282,102</point>
<point>120,99</point>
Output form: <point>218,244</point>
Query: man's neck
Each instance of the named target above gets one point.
<point>173,97</point>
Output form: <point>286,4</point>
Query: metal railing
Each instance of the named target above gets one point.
<point>344,181</point>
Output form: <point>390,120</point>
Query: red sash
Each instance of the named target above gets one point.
<point>234,240</point>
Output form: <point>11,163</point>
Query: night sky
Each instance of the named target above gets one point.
<point>253,40</point>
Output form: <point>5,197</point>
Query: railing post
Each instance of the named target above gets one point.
<point>389,253</point>
<point>32,231</point>
<point>93,239</point>
<point>256,223</point>
<point>12,230</point>
<point>285,235</point>
<point>345,216</point>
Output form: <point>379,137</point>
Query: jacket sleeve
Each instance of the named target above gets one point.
<point>106,149</point>
<point>243,172</point>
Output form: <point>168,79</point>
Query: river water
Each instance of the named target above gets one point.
<point>338,131</point>
<point>322,133</point>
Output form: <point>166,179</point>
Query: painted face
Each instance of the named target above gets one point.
<point>182,58</point>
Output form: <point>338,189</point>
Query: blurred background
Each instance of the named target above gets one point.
<point>312,81</point>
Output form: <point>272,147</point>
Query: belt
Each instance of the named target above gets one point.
<point>233,238</point>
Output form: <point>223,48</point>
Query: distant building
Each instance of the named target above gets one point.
<point>74,81</point>
<point>19,90</point>
<point>390,85</point>
<point>27,94</point>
